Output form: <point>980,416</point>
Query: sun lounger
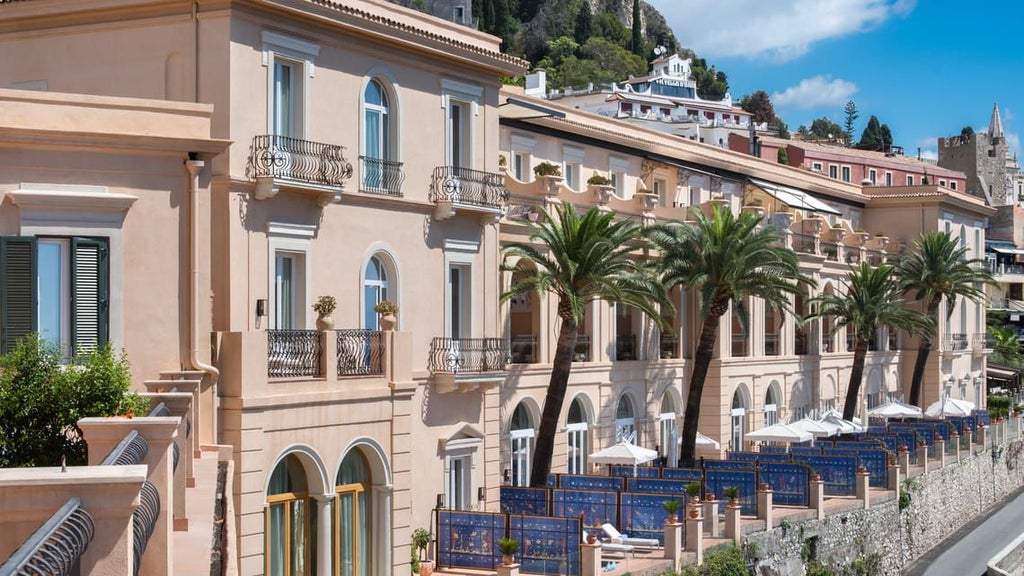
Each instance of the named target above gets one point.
<point>612,547</point>
<point>619,538</point>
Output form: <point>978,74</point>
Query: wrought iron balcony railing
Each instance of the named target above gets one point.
<point>771,344</point>
<point>56,547</point>
<point>625,347</point>
<point>273,156</point>
<point>381,176</point>
<point>831,250</point>
<point>669,346</point>
<point>803,243</point>
<point>524,349</point>
<point>876,257</point>
<point>360,352</point>
<point>954,342</point>
<point>982,341</point>
<point>468,355</point>
<point>464,186</point>
<point>293,353</point>
<point>581,352</point>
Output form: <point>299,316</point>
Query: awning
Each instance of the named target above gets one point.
<point>794,198</point>
<point>1001,373</point>
<point>1006,250</point>
<point>519,109</point>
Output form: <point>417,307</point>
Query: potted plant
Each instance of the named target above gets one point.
<point>547,169</point>
<point>599,180</point>
<point>671,506</point>
<point>420,541</point>
<point>508,548</point>
<point>693,490</point>
<point>387,310</point>
<point>324,307</point>
<point>733,494</point>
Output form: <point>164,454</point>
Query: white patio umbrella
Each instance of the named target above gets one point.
<point>950,407</point>
<point>779,433</point>
<point>845,426</point>
<point>706,442</point>
<point>623,454</point>
<point>817,429</point>
<point>894,409</point>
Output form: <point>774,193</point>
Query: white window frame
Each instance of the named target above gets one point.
<point>771,414</point>
<point>465,450</point>
<point>300,53</point>
<point>296,239</point>
<point>845,173</point>
<point>572,166</point>
<point>618,167</point>
<point>470,95</point>
<point>460,254</point>
<point>737,427</point>
<point>523,439</point>
<point>873,176</point>
<point>942,182</point>
<point>666,423</point>
<point>817,167</point>
<point>888,178</point>
<point>660,187</point>
<point>910,179</point>
<point>577,464</point>
<point>833,171</point>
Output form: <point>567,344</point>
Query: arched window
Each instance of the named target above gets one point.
<point>625,421</point>
<point>668,441</point>
<point>522,434</point>
<point>739,419</point>
<point>352,516</point>
<point>577,430</point>
<point>375,288</point>
<point>376,138</point>
<point>771,406</point>
<point>287,520</point>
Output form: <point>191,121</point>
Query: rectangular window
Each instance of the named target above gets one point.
<point>816,166</point>
<point>459,14</point>
<point>910,179</point>
<point>661,189</point>
<point>458,141</point>
<point>952,184</point>
<point>846,173</point>
<point>572,175</point>
<point>942,182</point>
<point>873,176</point>
<point>833,171</point>
<point>458,301</point>
<point>888,178</point>
<point>459,483</point>
<point>521,166</point>
<point>284,119</point>
<point>58,287</point>
<point>577,433</point>
<point>289,290</point>
<point>572,158</point>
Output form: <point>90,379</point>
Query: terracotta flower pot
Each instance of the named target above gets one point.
<point>695,513</point>
<point>591,538</point>
<point>426,568</point>
<point>325,323</point>
<point>507,560</point>
<point>734,502</point>
<point>388,321</point>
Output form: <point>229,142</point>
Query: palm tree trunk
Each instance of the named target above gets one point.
<point>923,351</point>
<point>545,445</point>
<point>860,353</point>
<point>701,362</point>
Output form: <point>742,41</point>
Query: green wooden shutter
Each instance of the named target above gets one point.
<point>90,293</point>
<point>18,307</point>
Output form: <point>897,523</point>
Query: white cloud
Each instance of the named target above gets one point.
<point>814,92</point>
<point>929,154</point>
<point>778,31</point>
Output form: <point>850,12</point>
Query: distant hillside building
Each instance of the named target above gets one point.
<point>992,171</point>
<point>665,100</point>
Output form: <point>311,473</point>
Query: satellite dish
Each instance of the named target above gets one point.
<point>660,50</point>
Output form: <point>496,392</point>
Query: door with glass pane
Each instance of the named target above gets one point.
<point>739,416</point>
<point>352,517</point>
<point>283,109</point>
<point>522,434</point>
<point>577,435</point>
<point>285,293</point>
<point>375,289</point>
<point>54,292</point>
<point>459,483</point>
<point>287,521</point>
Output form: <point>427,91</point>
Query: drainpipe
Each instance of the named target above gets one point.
<point>194,166</point>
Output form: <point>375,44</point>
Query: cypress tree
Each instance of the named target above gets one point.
<point>584,24</point>
<point>637,41</point>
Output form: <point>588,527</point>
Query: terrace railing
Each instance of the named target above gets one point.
<point>360,352</point>
<point>381,176</point>
<point>293,353</point>
<point>954,342</point>
<point>302,161</point>
<point>464,186</point>
<point>524,349</point>
<point>56,547</point>
<point>468,355</point>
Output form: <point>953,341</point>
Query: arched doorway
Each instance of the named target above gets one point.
<point>287,520</point>
<point>771,404</point>
<point>577,430</point>
<point>668,432</point>
<point>522,433</point>
<point>353,516</point>
<point>376,287</point>
<point>625,421</point>
<point>739,419</point>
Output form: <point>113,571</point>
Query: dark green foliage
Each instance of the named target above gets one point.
<point>1005,346</point>
<point>865,566</point>
<point>783,156</point>
<point>760,105</point>
<point>966,131</point>
<point>823,128</point>
<point>584,28</point>
<point>999,406</point>
<point>782,128</point>
<point>876,134</point>
<point>636,40</point>
<point>711,84</point>
<point>850,113</point>
<point>816,569</point>
<point>724,561</point>
<point>42,400</point>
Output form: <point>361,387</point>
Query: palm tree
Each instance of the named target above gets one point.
<point>872,300</point>
<point>725,259</point>
<point>938,269</point>
<point>578,259</point>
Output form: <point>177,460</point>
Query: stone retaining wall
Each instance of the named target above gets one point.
<point>943,501</point>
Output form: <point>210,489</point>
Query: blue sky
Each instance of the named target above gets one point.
<point>926,68</point>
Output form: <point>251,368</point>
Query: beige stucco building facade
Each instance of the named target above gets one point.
<point>243,158</point>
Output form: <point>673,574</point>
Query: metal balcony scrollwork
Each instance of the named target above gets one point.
<point>381,176</point>
<point>144,521</point>
<point>56,547</point>
<point>293,353</point>
<point>468,355</point>
<point>296,162</point>
<point>360,352</point>
<point>131,450</point>
<point>462,186</point>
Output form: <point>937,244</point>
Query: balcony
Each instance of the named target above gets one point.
<point>982,344</point>
<point>277,162</point>
<point>625,347</point>
<point>954,342</point>
<point>468,363</point>
<point>581,353</point>
<point>524,349</point>
<point>803,243</point>
<point>294,354</point>
<point>454,188</point>
<point>381,176</point>
<point>360,352</point>
<point>771,344</point>
<point>669,346</point>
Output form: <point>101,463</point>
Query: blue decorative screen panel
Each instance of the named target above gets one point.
<point>876,461</point>
<point>891,441</point>
<point>816,451</point>
<point>523,500</point>
<point>547,545</point>
<point>641,471</point>
<point>597,507</point>
<point>643,516</point>
<point>838,472</point>
<point>657,486</point>
<point>982,417</point>
<point>716,481</point>
<point>469,539</point>
<point>774,450</point>
<point>923,431</point>
<point>743,456</point>
<point>853,445</point>
<point>574,482</point>
<point>729,465</point>
<point>789,482</point>
<point>688,474</point>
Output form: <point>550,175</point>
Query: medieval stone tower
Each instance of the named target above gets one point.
<point>985,158</point>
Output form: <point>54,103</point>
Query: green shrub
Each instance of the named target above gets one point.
<point>724,561</point>
<point>41,401</point>
<point>999,406</point>
<point>865,566</point>
<point>547,169</point>
<point>816,569</point>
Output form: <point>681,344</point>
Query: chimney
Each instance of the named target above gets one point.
<point>536,83</point>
